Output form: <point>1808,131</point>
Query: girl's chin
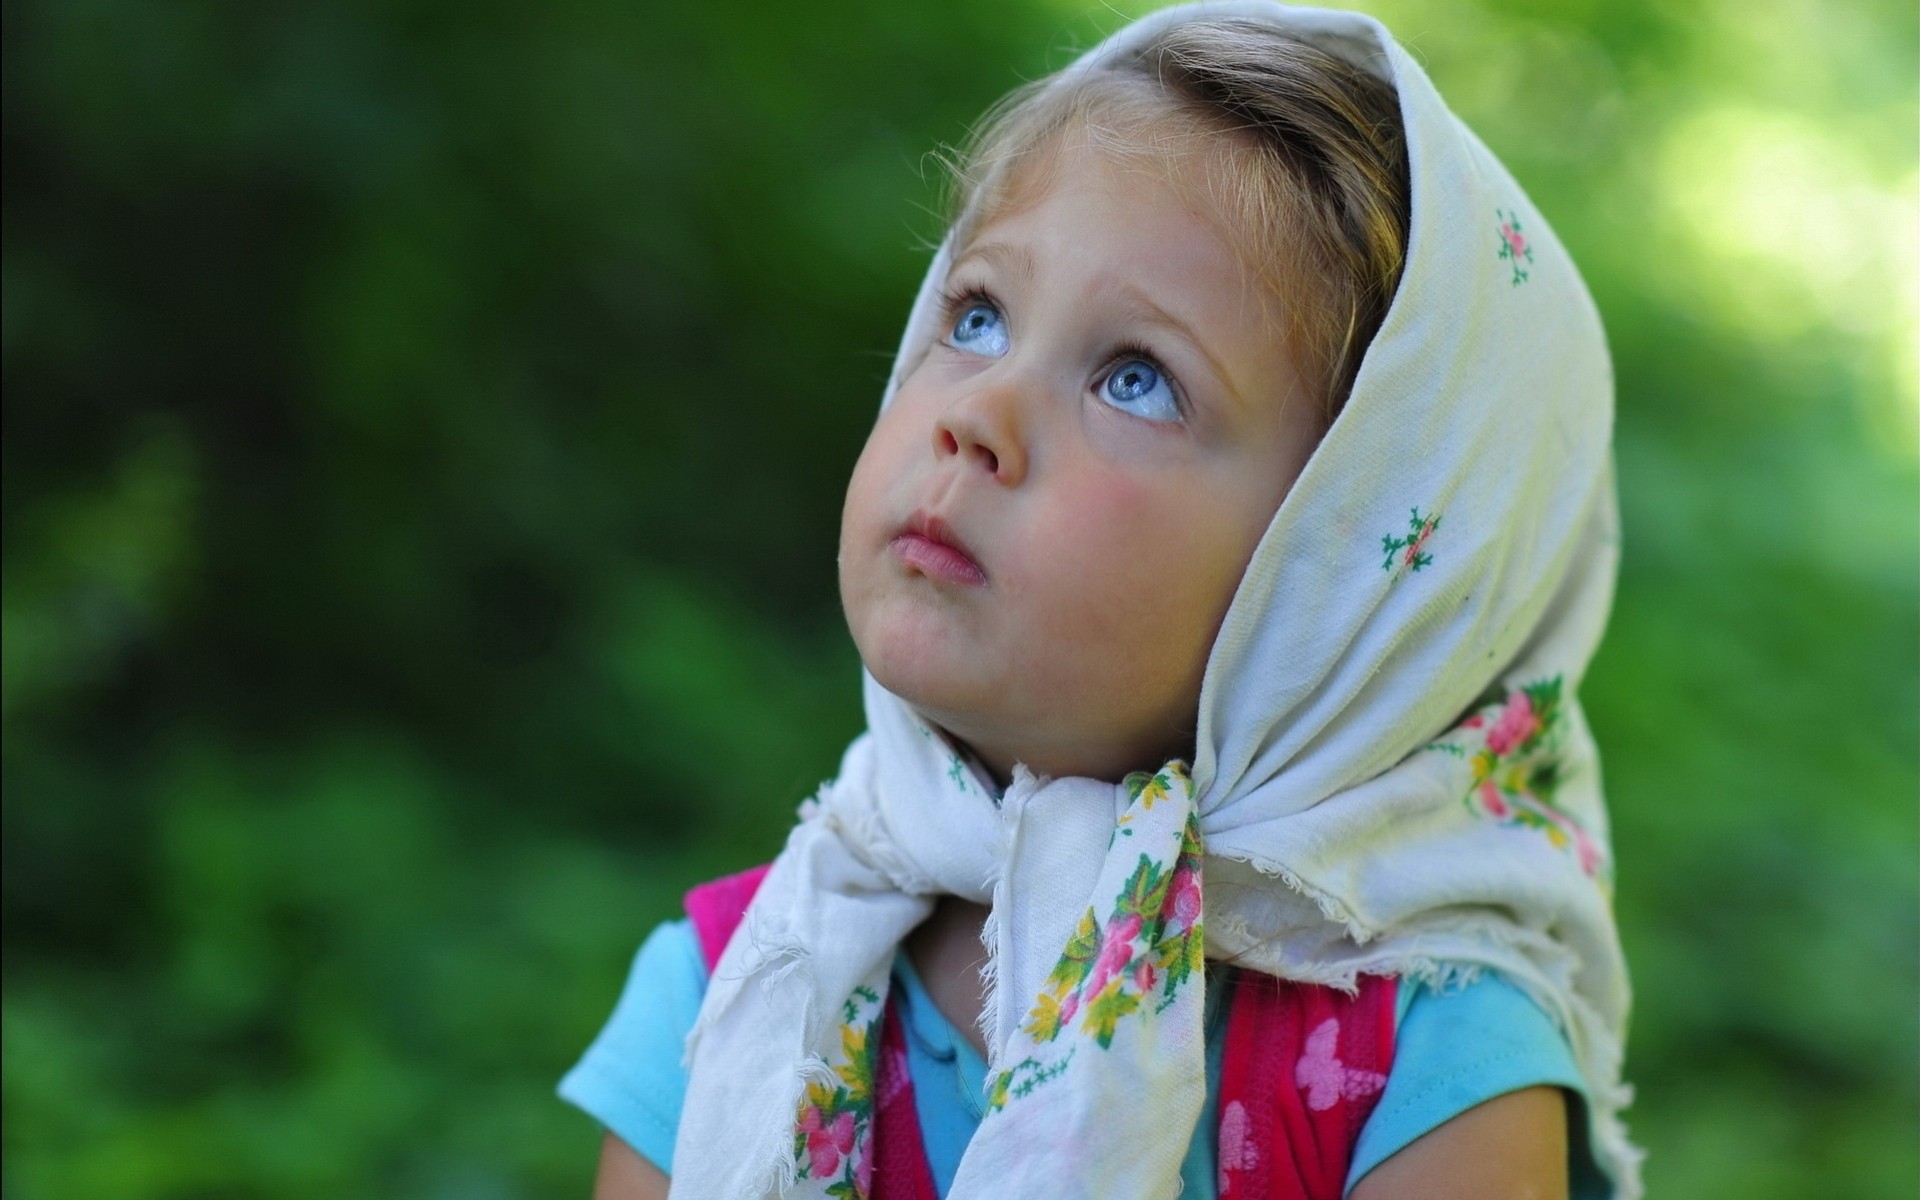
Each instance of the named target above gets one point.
<point>919,655</point>
<point>935,693</point>
<point>968,708</point>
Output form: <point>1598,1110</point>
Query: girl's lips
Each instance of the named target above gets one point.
<point>927,546</point>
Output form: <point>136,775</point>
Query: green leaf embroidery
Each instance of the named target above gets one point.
<point>1105,1010</point>
<point>1002,1083</point>
<point>851,1009</point>
<point>1179,957</point>
<point>1190,848</point>
<point>1146,890</point>
<point>1077,962</point>
<point>1408,553</point>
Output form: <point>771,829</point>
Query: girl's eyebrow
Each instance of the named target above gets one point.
<point>1014,260</point>
<point>1143,309</point>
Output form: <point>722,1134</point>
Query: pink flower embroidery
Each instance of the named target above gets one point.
<point>1183,895</point>
<point>1514,249</point>
<point>1324,1078</point>
<point>826,1142</point>
<point>1237,1149</point>
<point>1116,952</point>
<point>1513,753</point>
<point>1131,965</point>
<point>1409,553</point>
<point>1516,723</point>
<point>1589,853</point>
<point>1491,799</point>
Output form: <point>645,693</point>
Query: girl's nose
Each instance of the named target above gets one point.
<point>984,431</point>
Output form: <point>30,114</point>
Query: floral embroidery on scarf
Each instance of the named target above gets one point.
<point>956,766</point>
<point>1145,950</point>
<point>1149,788</point>
<point>1516,767</point>
<point>1513,245</point>
<point>1324,1078</point>
<point>1404,554</point>
<point>831,1135</point>
<point>1145,788</point>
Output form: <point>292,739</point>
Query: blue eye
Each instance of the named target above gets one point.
<point>980,329</point>
<point>1136,386</point>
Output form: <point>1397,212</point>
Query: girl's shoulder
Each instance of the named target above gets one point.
<point>1458,1047</point>
<point>631,1078</point>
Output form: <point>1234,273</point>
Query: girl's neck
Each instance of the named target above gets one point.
<point>997,762</point>
<point>946,953</point>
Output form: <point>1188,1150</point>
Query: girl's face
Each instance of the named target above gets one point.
<point>1048,523</point>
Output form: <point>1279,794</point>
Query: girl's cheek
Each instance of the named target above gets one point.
<point>1139,447</point>
<point>1117,510</point>
<point>1098,551</point>
<point>882,459</point>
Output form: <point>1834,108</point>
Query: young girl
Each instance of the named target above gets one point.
<point>1235,531</point>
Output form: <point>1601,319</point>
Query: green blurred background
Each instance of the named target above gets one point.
<point>425,429</point>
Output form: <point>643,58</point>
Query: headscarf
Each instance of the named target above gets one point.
<point>1392,773</point>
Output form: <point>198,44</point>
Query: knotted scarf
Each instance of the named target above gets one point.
<point>1392,774</point>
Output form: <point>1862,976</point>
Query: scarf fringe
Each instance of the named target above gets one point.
<point>993,931</point>
<point>774,961</point>
<point>990,975</point>
<point>1330,906</point>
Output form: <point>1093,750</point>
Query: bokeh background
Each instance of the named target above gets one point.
<point>424,432</point>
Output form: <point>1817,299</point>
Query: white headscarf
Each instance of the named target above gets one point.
<point>1392,773</point>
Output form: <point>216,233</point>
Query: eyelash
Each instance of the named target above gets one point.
<point>956,299</point>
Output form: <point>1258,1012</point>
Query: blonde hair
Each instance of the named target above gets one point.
<point>1303,152</point>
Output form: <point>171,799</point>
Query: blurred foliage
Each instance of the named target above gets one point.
<point>424,434</point>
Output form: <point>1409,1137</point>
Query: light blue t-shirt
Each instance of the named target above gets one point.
<point>1452,1051</point>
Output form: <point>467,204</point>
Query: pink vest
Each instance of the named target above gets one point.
<point>1303,1068</point>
